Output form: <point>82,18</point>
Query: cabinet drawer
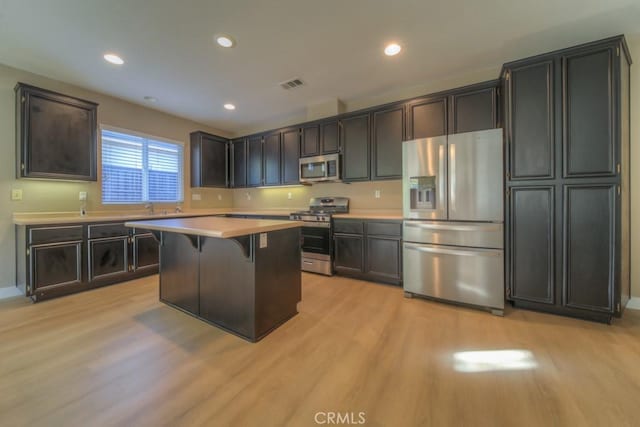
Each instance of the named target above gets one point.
<point>348,226</point>
<point>393,229</point>
<point>99,231</point>
<point>67,233</point>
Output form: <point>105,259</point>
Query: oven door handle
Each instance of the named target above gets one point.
<point>316,224</point>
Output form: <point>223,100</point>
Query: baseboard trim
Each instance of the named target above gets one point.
<point>634,303</point>
<point>10,292</point>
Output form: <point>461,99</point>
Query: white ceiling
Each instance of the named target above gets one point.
<point>335,46</point>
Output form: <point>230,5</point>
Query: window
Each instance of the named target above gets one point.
<point>138,169</point>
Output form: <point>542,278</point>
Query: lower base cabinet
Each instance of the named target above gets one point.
<point>368,249</point>
<point>65,259</point>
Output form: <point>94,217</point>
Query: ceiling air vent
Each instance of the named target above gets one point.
<point>291,84</point>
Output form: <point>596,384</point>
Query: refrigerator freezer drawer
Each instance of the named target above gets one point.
<point>482,235</point>
<point>466,275</point>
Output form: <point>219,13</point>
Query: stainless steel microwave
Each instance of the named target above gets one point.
<point>320,168</point>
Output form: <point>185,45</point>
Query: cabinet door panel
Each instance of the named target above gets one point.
<point>330,137</point>
<point>588,114</point>
<point>589,245</point>
<point>531,124</point>
<point>145,251</point>
<point>310,141</point>
<point>531,244</point>
<point>290,156</point>
<point>475,110</point>
<point>239,172</point>
<point>179,256</point>
<point>108,257</point>
<point>208,160</point>
<point>355,145</point>
<point>383,258</point>
<point>388,134</point>
<point>427,118</point>
<point>254,161</point>
<point>349,253</point>
<point>272,155</point>
<point>56,265</point>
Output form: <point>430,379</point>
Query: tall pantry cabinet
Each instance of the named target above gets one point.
<point>567,180</point>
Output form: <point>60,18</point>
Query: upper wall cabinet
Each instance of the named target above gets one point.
<point>254,161</point>
<point>272,153</point>
<point>427,117</point>
<point>238,163</point>
<point>388,134</point>
<point>55,135</point>
<point>474,108</point>
<point>356,138</point>
<point>209,160</point>
<point>290,156</point>
<point>320,138</point>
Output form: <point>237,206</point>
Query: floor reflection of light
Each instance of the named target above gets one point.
<point>493,360</point>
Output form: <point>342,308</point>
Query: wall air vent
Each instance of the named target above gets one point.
<point>291,84</point>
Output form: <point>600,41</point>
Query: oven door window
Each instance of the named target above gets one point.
<point>313,170</point>
<point>316,240</point>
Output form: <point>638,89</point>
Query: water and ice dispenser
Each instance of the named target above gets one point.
<point>422,192</point>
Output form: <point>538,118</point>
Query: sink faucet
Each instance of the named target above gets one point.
<point>178,209</point>
<point>150,207</point>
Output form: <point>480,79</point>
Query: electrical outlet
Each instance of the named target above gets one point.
<point>289,195</point>
<point>248,196</point>
<point>16,194</point>
<point>82,195</point>
<point>196,196</point>
<point>219,196</point>
<point>377,194</point>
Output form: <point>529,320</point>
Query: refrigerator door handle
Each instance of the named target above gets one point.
<point>454,252</point>
<point>456,227</point>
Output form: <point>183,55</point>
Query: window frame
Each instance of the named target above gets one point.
<point>145,163</point>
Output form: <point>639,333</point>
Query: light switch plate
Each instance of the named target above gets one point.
<point>219,196</point>
<point>16,194</point>
<point>377,194</point>
<point>196,196</point>
<point>289,196</point>
<point>82,195</point>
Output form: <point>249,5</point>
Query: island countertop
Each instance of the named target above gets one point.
<point>214,226</point>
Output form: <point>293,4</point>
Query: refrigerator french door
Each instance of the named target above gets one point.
<point>453,234</point>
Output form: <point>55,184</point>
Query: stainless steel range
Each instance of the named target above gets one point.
<point>317,247</point>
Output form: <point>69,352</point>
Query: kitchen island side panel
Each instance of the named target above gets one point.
<point>179,259</point>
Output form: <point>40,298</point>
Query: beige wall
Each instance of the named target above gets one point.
<point>361,195</point>
<point>40,195</point>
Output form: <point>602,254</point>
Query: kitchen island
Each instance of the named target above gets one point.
<point>242,275</point>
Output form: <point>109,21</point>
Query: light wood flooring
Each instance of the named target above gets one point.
<point>116,356</point>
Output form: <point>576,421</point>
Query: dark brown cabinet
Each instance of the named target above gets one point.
<point>290,156</point>
<point>64,259</point>
<point>427,117</point>
<point>254,161</point>
<point>320,138</point>
<point>388,134</point>
<point>238,163</point>
<point>474,108</point>
<point>272,158</point>
<point>568,180</point>
<point>209,160</point>
<point>55,135</point>
<point>356,144</point>
<point>368,249</point>
<point>108,257</point>
<point>588,131</point>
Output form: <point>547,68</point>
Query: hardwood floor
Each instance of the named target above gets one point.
<point>116,356</point>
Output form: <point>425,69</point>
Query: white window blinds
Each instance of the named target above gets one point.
<point>136,169</point>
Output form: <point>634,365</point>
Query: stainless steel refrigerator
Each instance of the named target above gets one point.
<point>453,212</point>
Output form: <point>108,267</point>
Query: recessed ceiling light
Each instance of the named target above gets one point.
<point>225,40</point>
<point>113,58</point>
<point>150,98</point>
<point>392,49</point>
<point>229,106</point>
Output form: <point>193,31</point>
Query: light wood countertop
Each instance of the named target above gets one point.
<point>214,226</point>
